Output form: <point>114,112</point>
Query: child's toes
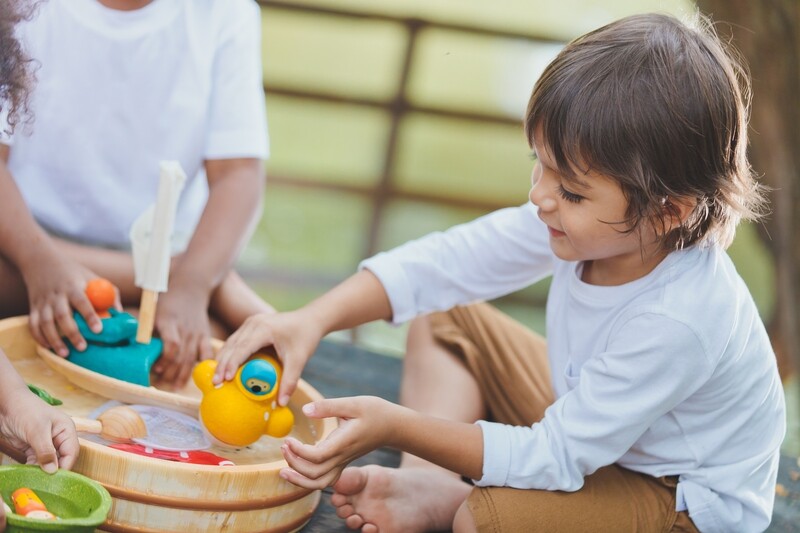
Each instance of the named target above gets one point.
<point>354,521</point>
<point>345,510</point>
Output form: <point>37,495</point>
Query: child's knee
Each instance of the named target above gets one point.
<point>420,334</point>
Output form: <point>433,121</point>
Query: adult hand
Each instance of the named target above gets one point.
<point>294,336</point>
<point>182,323</point>
<point>45,435</point>
<point>365,424</point>
<point>56,286</point>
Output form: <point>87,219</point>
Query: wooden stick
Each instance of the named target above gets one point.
<point>147,316</point>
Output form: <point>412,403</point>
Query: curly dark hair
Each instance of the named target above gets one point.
<point>15,74</point>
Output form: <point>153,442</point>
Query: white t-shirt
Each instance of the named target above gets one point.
<point>671,374</point>
<point>119,91</point>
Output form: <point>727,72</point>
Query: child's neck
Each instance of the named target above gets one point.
<point>125,5</point>
<point>608,274</point>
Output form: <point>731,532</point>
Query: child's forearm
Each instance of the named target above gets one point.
<point>456,446</point>
<point>10,383</point>
<point>236,188</point>
<point>22,241</point>
<point>359,299</point>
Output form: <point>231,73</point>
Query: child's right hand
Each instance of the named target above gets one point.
<point>40,432</point>
<point>294,336</point>
<point>55,288</point>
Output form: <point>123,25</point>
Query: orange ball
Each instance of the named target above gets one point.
<point>101,293</point>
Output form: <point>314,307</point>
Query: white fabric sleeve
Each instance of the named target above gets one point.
<point>238,122</point>
<point>652,364</point>
<point>491,256</point>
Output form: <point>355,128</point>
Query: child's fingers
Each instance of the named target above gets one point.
<point>66,442</point>
<point>301,481</point>
<point>170,342</point>
<point>293,364</point>
<point>50,332</point>
<point>68,327</point>
<point>239,346</point>
<point>41,442</point>
<point>83,306</point>
<point>306,468</point>
<point>328,408</point>
<point>35,324</point>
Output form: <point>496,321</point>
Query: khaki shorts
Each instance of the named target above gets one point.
<point>514,378</point>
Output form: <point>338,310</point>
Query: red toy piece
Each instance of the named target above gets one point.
<point>197,457</point>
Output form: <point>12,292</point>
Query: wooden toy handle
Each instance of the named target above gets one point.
<point>147,316</point>
<point>87,425</point>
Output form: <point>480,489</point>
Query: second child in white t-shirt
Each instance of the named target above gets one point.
<point>122,85</point>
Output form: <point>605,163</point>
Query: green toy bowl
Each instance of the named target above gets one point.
<point>80,503</point>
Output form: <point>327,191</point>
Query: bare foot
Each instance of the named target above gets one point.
<point>387,500</point>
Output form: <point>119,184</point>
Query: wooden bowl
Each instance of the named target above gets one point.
<point>152,495</point>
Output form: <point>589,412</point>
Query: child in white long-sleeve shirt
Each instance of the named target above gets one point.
<point>656,403</point>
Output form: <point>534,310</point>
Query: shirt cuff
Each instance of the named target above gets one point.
<point>496,454</point>
<point>237,144</point>
<point>395,283</point>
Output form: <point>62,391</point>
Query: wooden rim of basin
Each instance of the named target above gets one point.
<point>294,525</point>
<point>92,451</point>
<point>250,504</point>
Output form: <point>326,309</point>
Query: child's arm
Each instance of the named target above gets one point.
<point>367,423</point>
<point>40,432</point>
<point>357,300</point>
<point>236,189</point>
<point>55,284</point>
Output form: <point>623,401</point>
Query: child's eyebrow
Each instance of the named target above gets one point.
<point>574,179</point>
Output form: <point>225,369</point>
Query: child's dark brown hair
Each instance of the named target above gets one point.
<point>661,107</point>
<point>15,76</point>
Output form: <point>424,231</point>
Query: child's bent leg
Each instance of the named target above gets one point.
<point>233,301</point>
<point>466,364</point>
<point>436,382</point>
<point>612,499</point>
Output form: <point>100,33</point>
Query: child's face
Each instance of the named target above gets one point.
<point>585,223</point>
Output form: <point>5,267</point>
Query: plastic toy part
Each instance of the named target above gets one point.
<point>101,294</point>
<point>195,457</point>
<point>114,351</point>
<point>240,411</point>
<point>28,504</point>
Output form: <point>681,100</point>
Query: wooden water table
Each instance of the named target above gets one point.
<point>344,370</point>
<point>156,496</point>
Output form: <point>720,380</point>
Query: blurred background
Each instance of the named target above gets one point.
<point>391,119</point>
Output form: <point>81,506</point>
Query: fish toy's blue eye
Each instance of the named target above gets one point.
<point>259,377</point>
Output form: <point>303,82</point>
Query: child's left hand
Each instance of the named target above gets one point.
<point>45,435</point>
<point>182,324</point>
<point>365,423</point>
<point>56,285</point>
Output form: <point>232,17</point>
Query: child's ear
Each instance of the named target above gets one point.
<point>677,210</point>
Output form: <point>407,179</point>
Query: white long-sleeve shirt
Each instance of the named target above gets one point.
<point>670,374</point>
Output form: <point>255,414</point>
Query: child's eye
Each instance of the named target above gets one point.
<point>533,156</point>
<point>569,196</point>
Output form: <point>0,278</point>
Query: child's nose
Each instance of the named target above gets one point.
<point>541,198</point>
